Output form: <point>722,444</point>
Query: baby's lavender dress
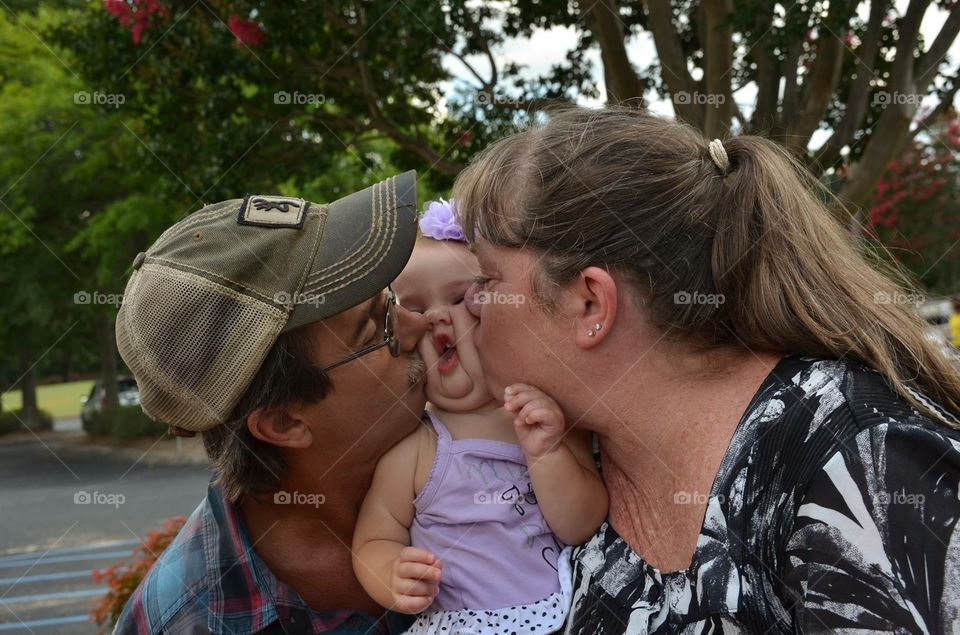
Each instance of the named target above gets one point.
<point>503,570</point>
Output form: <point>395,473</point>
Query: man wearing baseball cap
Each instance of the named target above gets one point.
<point>266,324</point>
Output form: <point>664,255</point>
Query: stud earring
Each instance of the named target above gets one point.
<point>598,326</point>
<point>591,333</point>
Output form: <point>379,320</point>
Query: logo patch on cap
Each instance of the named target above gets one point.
<point>272,211</point>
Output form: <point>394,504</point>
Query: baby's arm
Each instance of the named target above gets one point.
<point>565,478</point>
<point>397,576</point>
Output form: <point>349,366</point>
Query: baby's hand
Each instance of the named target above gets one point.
<point>539,422</point>
<point>415,580</point>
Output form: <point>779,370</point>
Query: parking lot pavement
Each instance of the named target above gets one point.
<point>63,514</point>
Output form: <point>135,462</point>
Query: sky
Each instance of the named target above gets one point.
<point>549,47</point>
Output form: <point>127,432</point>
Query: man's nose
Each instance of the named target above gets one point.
<point>410,328</point>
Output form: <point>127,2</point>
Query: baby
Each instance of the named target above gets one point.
<point>466,519</point>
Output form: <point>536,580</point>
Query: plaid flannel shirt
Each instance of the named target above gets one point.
<point>210,580</point>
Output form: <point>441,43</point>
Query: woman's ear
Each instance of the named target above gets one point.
<point>595,296</point>
<point>280,426</point>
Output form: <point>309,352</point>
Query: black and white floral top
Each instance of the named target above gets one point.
<point>835,509</point>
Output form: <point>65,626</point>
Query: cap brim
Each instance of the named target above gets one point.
<point>367,239</point>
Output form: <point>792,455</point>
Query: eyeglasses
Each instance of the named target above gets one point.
<point>389,334</point>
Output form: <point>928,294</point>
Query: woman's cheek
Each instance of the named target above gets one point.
<point>470,300</point>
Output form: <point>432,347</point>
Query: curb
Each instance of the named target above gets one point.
<point>159,453</point>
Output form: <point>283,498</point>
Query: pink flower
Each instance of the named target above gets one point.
<point>135,14</point>
<point>247,31</point>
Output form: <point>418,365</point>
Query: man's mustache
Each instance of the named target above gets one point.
<point>416,369</point>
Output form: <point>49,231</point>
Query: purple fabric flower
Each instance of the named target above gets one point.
<point>439,223</point>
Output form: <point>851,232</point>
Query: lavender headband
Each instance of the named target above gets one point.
<point>439,223</point>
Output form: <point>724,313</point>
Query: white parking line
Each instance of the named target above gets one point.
<point>43,577</point>
<point>53,621</point>
<point>58,559</point>
<point>62,595</point>
<point>107,544</point>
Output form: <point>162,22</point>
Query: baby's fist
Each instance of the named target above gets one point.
<point>539,422</point>
<point>415,580</point>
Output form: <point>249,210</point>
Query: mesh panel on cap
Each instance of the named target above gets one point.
<point>193,345</point>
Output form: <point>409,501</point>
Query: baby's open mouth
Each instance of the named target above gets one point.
<point>447,350</point>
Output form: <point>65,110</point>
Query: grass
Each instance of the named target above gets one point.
<point>62,401</point>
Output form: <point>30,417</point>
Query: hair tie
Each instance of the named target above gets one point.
<point>719,155</point>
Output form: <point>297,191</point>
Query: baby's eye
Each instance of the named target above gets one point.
<point>458,300</point>
<point>481,280</point>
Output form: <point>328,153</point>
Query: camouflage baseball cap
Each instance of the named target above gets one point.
<point>207,301</point>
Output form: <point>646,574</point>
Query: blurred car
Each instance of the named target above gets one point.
<point>937,313</point>
<point>128,394</point>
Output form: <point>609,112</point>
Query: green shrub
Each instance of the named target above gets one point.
<point>11,422</point>
<point>97,425</point>
<point>125,422</point>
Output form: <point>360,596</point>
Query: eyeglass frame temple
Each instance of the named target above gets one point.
<point>389,337</point>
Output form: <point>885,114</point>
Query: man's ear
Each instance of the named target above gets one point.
<point>280,426</point>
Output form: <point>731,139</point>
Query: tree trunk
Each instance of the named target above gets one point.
<point>856,106</point>
<point>893,126</point>
<point>673,63</point>
<point>768,76</point>
<point>820,86</point>
<point>108,360</point>
<point>30,411</point>
<point>621,78</point>
<point>718,61</point>
<point>887,140</point>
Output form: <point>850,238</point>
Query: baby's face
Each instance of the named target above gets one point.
<point>433,283</point>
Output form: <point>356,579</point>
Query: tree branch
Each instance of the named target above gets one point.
<point>718,63</point>
<point>385,124</point>
<point>856,106</point>
<point>930,62</point>
<point>673,63</point>
<point>893,126</point>
<point>622,80</point>
<point>791,92</point>
<point>944,105</point>
<point>768,75</point>
<point>821,84</point>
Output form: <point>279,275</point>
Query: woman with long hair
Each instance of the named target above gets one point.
<point>778,438</point>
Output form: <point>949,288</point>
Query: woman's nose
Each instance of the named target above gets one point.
<point>470,299</point>
<point>410,328</point>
